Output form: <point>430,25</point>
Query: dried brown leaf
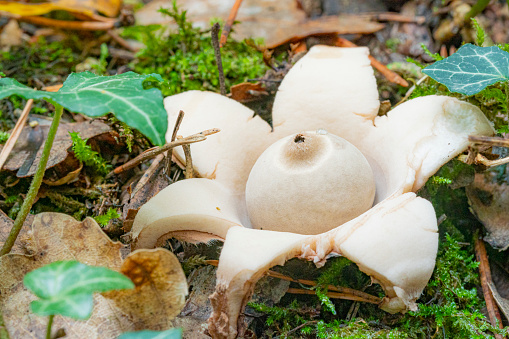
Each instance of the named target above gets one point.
<point>57,236</point>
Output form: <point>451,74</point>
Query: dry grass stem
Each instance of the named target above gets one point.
<point>9,145</point>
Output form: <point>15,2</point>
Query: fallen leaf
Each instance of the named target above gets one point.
<point>59,153</point>
<point>247,91</point>
<point>57,236</point>
<point>489,202</point>
<point>5,228</point>
<point>88,7</point>
<point>160,291</point>
<point>277,22</point>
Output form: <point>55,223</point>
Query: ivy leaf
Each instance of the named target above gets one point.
<point>123,95</point>
<point>174,333</point>
<point>471,69</point>
<point>66,287</point>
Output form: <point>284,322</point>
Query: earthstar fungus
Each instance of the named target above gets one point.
<point>395,241</point>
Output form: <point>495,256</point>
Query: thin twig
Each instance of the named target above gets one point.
<point>491,141</point>
<point>180,117</point>
<point>334,295</point>
<point>485,273</point>
<point>148,174</point>
<point>387,73</point>
<point>169,154</point>
<point>411,90</point>
<point>229,22</point>
<point>121,41</point>
<point>361,296</point>
<point>9,145</point>
<point>158,150</point>
<point>189,161</point>
<point>217,53</point>
<point>481,159</point>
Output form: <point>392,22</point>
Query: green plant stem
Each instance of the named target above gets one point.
<point>36,183</point>
<point>48,329</point>
<point>3,329</point>
<point>479,6</point>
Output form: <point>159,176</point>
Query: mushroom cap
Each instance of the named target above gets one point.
<point>309,183</point>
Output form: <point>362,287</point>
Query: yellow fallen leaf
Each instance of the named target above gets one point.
<point>88,7</point>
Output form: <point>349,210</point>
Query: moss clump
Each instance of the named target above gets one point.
<point>186,59</point>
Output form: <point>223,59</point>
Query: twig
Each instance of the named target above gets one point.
<point>189,161</point>
<point>36,183</point>
<point>491,141</point>
<point>390,75</point>
<point>148,174</point>
<point>411,90</point>
<point>481,159</point>
<point>229,22</point>
<point>361,296</point>
<point>485,273</point>
<point>180,117</point>
<point>217,53</point>
<point>158,150</point>
<point>334,295</point>
<point>9,145</point>
<point>394,17</point>
<point>121,41</point>
<point>169,154</point>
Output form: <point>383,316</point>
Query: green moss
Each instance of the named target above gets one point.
<point>105,218</point>
<point>84,153</point>
<point>3,137</point>
<point>185,59</point>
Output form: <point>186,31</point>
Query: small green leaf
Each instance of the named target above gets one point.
<point>66,287</point>
<point>471,69</point>
<point>123,95</point>
<point>174,333</point>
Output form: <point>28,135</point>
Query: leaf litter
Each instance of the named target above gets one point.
<point>160,283</point>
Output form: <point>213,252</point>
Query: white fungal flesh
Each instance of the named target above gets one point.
<point>395,242</point>
<point>309,183</point>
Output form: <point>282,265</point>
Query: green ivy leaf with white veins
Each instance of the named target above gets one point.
<point>94,95</point>
<point>66,287</point>
<point>471,69</point>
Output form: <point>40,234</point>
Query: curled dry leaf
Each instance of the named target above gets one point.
<point>489,201</point>
<point>56,236</point>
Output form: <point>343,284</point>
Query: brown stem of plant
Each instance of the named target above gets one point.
<point>229,22</point>
<point>121,41</point>
<point>158,150</point>
<point>485,274</point>
<point>189,161</point>
<point>217,53</point>
<point>490,141</point>
<point>387,73</point>
<point>169,154</point>
<point>9,145</point>
<point>339,292</point>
